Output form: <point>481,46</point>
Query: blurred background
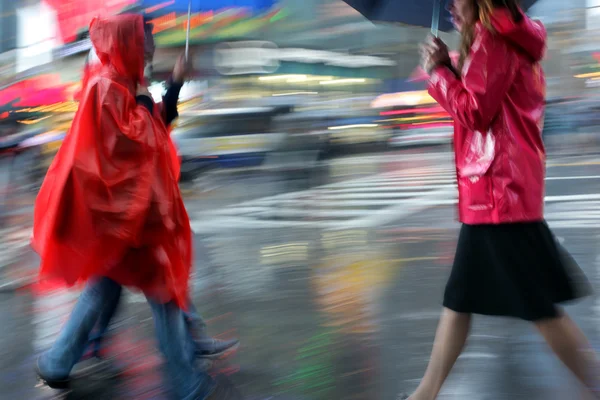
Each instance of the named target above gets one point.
<point>318,177</point>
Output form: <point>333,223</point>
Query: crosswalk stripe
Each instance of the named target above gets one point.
<point>399,210</point>
<point>386,188</point>
<point>574,197</point>
<point>408,180</point>
<point>434,183</point>
<point>379,199</point>
<point>362,202</point>
<point>377,195</point>
<point>584,214</point>
<point>572,178</point>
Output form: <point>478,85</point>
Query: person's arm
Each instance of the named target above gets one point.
<point>145,101</point>
<point>475,100</point>
<point>453,69</point>
<point>170,100</point>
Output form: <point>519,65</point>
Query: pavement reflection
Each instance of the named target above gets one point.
<point>326,313</point>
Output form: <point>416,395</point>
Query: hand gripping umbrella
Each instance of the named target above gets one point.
<point>412,12</point>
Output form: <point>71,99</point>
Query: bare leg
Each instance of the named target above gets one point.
<point>450,339</point>
<point>571,346</point>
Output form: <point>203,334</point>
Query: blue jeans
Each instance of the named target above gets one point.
<point>193,320</point>
<point>172,331</point>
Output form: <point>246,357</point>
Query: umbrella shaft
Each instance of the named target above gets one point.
<point>435,18</point>
<point>187,33</point>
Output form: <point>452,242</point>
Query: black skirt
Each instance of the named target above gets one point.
<point>515,270</point>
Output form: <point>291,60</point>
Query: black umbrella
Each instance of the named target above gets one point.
<point>412,12</point>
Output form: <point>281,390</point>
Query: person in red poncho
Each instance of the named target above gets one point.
<point>206,347</point>
<point>110,212</point>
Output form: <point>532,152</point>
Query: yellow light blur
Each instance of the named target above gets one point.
<point>588,75</point>
<point>32,121</point>
<point>290,252</point>
<point>281,77</point>
<point>309,78</point>
<point>343,81</point>
<point>293,94</point>
<point>402,99</point>
<point>407,119</point>
<point>64,107</point>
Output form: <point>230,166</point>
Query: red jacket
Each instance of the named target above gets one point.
<point>110,204</point>
<point>498,109</point>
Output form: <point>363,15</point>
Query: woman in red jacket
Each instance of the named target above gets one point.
<point>507,261</point>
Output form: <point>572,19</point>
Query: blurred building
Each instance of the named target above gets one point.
<point>8,25</point>
<point>315,55</point>
<point>8,39</point>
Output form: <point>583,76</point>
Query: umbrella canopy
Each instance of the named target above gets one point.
<point>411,12</point>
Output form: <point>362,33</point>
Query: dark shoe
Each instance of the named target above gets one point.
<point>55,382</point>
<point>224,390</point>
<point>95,378</point>
<point>98,368</point>
<point>215,348</point>
<point>204,364</point>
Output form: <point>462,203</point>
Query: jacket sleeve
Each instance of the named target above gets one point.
<point>475,100</point>
<point>170,100</point>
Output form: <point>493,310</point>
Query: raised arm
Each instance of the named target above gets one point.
<point>474,100</point>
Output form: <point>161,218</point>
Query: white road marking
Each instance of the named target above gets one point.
<point>399,211</point>
<point>573,197</point>
<point>380,199</point>
<point>433,183</point>
<point>342,205</point>
<point>378,195</point>
<point>574,214</point>
<point>571,178</point>
<point>229,223</point>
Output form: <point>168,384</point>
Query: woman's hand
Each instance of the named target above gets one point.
<point>142,91</point>
<point>182,69</point>
<point>434,53</point>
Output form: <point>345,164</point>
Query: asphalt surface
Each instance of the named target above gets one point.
<point>332,278</point>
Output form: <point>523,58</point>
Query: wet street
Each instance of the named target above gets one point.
<point>332,277</point>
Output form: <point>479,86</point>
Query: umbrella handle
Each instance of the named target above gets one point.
<point>187,33</point>
<point>435,18</point>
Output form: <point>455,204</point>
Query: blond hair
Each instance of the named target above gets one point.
<point>484,10</point>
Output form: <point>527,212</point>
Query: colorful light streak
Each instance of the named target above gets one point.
<point>412,110</point>
<point>424,125</point>
<point>419,117</point>
<point>157,7</point>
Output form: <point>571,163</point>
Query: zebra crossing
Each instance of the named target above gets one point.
<point>358,203</point>
<point>574,214</point>
<point>383,198</point>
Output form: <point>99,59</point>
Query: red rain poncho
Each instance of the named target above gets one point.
<point>110,204</point>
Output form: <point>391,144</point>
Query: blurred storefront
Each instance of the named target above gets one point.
<point>320,57</point>
<point>8,25</point>
<point>8,40</point>
<point>35,45</point>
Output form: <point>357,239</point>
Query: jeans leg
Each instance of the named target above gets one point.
<point>177,346</point>
<point>73,338</point>
<point>195,322</point>
<point>108,312</point>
